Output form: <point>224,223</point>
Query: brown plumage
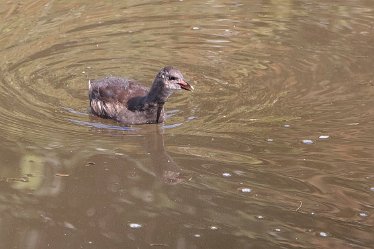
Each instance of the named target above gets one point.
<point>128,102</point>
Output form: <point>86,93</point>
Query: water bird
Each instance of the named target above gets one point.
<point>128,102</point>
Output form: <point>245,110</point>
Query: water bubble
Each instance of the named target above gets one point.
<point>135,225</point>
<point>307,141</point>
<point>226,174</point>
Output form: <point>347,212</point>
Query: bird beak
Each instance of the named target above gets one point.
<point>184,85</point>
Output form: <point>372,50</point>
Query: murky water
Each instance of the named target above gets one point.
<point>274,148</point>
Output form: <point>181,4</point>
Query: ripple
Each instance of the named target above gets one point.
<point>266,76</point>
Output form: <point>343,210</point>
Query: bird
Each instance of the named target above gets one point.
<point>128,102</point>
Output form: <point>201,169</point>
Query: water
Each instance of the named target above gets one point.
<point>229,168</point>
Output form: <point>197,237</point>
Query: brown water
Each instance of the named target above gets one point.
<point>233,165</point>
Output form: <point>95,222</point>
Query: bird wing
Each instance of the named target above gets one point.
<point>109,96</point>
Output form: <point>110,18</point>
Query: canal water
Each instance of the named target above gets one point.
<point>273,149</point>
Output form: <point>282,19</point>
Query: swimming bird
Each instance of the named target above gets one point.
<point>129,102</point>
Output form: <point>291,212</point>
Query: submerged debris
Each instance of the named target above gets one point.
<point>297,209</point>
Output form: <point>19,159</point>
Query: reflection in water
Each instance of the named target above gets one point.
<point>109,190</point>
<point>164,165</point>
<point>268,75</point>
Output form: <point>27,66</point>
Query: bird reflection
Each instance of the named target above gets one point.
<point>94,193</point>
<point>163,164</point>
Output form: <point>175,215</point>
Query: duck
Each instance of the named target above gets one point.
<point>129,102</point>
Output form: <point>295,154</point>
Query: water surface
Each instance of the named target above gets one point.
<point>274,148</point>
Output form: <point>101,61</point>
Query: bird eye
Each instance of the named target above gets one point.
<point>173,78</point>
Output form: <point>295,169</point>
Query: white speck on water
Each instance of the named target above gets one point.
<point>90,242</point>
<point>69,225</point>
<point>307,141</point>
<point>213,228</point>
<point>259,217</point>
<point>197,235</point>
<point>246,190</point>
<point>277,229</point>
<point>83,72</point>
<point>323,234</point>
<point>195,28</point>
<point>363,214</point>
<point>270,140</point>
<point>372,189</point>
<point>101,149</point>
<point>324,137</point>
<point>239,173</point>
<point>353,123</point>
<point>135,225</point>
<point>286,125</point>
<point>226,174</point>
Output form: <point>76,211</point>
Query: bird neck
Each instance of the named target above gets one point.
<point>158,94</point>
